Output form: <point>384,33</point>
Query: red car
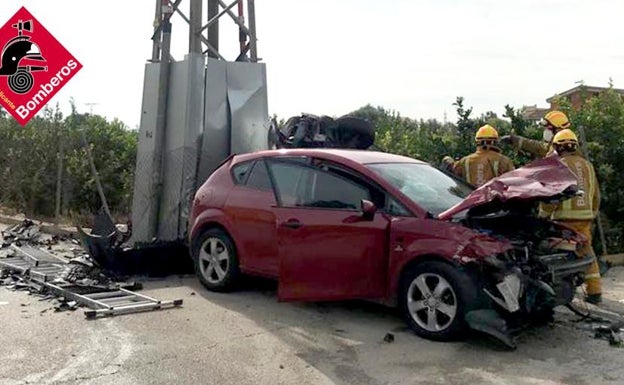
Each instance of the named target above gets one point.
<point>354,224</point>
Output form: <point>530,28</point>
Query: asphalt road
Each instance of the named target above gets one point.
<point>248,337</point>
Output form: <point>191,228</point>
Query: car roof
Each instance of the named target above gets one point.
<point>358,156</point>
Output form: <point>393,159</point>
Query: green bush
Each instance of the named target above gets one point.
<point>602,118</point>
<point>29,163</point>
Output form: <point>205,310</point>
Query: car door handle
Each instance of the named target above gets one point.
<point>292,224</point>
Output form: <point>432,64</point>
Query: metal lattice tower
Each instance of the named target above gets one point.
<point>204,37</point>
<point>196,111</point>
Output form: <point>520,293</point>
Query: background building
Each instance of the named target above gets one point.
<point>576,96</point>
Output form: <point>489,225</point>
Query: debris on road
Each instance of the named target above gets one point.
<point>611,333</point>
<point>602,323</point>
<point>25,231</point>
<point>28,263</point>
<point>64,304</point>
<point>389,338</point>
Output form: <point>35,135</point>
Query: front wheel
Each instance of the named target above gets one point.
<point>215,259</point>
<point>435,297</point>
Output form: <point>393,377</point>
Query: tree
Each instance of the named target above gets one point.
<point>29,163</point>
<point>430,140</point>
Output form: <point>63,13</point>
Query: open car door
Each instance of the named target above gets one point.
<point>329,248</point>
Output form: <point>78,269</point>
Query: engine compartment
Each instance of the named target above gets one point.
<point>544,258</point>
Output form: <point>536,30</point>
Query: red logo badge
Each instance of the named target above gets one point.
<point>33,66</point>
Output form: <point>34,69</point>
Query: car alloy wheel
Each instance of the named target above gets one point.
<point>214,260</point>
<point>431,301</point>
<point>435,297</point>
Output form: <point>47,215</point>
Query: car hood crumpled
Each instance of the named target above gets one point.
<point>543,179</point>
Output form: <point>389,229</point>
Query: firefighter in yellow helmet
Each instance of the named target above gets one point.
<point>553,122</point>
<point>578,212</point>
<point>485,163</point>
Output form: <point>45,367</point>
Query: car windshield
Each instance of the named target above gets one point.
<point>429,187</point>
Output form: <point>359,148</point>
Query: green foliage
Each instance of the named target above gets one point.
<point>418,139</point>
<point>429,140</point>
<point>29,163</point>
<point>29,156</point>
<point>602,118</point>
<point>522,127</point>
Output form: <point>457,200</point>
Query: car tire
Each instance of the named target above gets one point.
<point>434,298</point>
<point>216,261</point>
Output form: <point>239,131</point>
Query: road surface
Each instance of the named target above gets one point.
<point>248,337</point>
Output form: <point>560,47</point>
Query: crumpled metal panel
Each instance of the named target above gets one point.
<point>143,192</point>
<point>215,144</point>
<point>193,138</point>
<point>540,179</point>
<point>214,108</point>
<point>247,98</point>
<point>182,135</point>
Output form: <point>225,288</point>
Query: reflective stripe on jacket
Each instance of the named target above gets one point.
<point>583,207</point>
<point>482,165</point>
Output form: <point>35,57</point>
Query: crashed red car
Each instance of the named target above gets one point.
<point>353,224</point>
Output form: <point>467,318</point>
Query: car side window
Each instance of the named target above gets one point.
<point>377,195</point>
<point>240,171</point>
<point>259,177</point>
<point>287,177</point>
<point>326,190</point>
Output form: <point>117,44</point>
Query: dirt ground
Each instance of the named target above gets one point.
<point>248,337</point>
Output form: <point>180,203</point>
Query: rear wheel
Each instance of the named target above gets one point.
<point>435,297</point>
<point>215,259</point>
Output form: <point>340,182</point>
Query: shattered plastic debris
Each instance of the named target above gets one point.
<point>611,333</point>
<point>17,282</point>
<point>63,305</point>
<point>603,324</point>
<point>29,233</point>
<point>389,338</point>
<point>76,267</point>
<point>25,231</point>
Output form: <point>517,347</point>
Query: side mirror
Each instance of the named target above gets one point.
<point>368,209</point>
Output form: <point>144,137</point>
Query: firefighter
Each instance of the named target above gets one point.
<point>578,212</point>
<point>485,163</point>
<point>553,122</point>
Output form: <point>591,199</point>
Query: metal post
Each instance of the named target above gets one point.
<point>59,174</point>
<point>213,29</point>
<point>195,26</point>
<point>603,239</point>
<point>253,49</point>
<point>242,36</point>
<point>157,19</point>
<point>95,174</point>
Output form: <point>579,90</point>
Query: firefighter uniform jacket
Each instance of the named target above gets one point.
<point>482,165</point>
<point>580,208</point>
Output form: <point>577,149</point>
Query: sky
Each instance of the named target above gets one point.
<point>333,56</point>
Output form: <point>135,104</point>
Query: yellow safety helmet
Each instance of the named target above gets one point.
<point>486,132</point>
<point>557,119</point>
<point>565,137</point>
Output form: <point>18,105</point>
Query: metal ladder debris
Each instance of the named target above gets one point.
<point>120,301</point>
<point>37,255</point>
<point>46,269</point>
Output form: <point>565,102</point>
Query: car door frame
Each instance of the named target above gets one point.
<point>284,259</point>
<point>262,265</point>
